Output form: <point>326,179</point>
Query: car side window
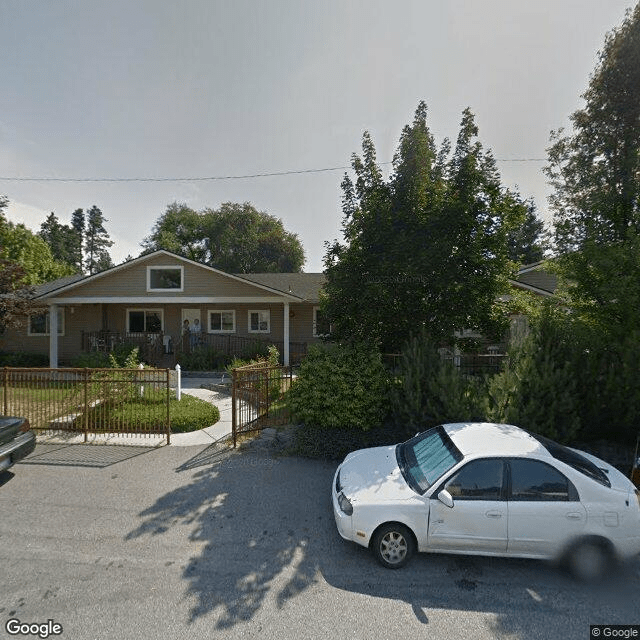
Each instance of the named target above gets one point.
<point>533,480</point>
<point>477,480</point>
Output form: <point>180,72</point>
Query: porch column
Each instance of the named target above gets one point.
<point>285,355</point>
<point>53,336</point>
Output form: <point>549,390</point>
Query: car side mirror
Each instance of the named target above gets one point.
<point>445,497</point>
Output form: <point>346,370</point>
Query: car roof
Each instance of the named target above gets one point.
<point>479,439</point>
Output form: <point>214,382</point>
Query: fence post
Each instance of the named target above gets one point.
<point>6,390</point>
<point>141,366</point>
<point>234,391</point>
<point>86,405</point>
<point>168,410</point>
<point>179,382</point>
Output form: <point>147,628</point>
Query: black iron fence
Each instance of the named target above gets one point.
<point>120,401</point>
<point>258,397</point>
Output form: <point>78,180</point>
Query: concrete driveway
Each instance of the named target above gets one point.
<point>203,542</point>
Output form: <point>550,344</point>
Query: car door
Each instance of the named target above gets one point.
<point>477,522</point>
<point>545,511</point>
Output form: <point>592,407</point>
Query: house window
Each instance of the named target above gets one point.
<point>144,320</point>
<point>222,321</point>
<point>259,321</point>
<point>165,279</point>
<point>320,325</point>
<point>39,324</point>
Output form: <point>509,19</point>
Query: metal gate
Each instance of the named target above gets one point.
<point>121,401</point>
<point>258,397</point>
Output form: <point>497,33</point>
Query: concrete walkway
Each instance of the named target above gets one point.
<point>208,435</point>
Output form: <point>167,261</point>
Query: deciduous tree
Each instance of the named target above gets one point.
<point>235,238</point>
<point>426,248</point>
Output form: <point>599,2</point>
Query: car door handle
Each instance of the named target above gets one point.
<point>493,514</point>
<point>574,516</point>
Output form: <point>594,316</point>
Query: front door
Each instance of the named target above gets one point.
<point>477,522</point>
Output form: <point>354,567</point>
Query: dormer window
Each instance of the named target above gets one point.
<point>165,279</point>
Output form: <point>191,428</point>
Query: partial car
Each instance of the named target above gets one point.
<point>17,440</point>
<point>491,490</point>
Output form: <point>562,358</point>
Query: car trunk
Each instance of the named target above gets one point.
<point>10,429</point>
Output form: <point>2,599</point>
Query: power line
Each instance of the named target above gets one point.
<point>217,178</point>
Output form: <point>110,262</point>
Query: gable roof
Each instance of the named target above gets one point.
<point>64,285</point>
<point>306,286</point>
<point>533,277</point>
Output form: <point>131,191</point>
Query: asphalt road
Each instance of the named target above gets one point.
<point>193,542</point>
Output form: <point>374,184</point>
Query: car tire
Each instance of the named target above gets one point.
<point>393,546</point>
<point>589,560</point>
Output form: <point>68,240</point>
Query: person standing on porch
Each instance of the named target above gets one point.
<point>196,330</point>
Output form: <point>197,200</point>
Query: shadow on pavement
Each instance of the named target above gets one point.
<point>267,534</point>
<point>83,455</point>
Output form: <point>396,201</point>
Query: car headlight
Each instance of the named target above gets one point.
<point>345,505</point>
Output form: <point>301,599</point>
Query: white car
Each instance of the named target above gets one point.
<point>487,489</point>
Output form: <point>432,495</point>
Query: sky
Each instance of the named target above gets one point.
<point>214,88</point>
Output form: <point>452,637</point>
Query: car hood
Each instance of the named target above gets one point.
<point>373,475</point>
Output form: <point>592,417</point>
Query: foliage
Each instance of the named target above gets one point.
<point>526,241</point>
<point>538,390</point>
<point>123,356</point>
<point>340,387</point>
<point>91,360</point>
<point>16,296</point>
<point>97,242</point>
<point>331,443</point>
<point>254,354</point>
<point>595,173</point>
<point>63,240</point>
<point>427,248</point>
<point>431,391</point>
<point>23,359</point>
<point>204,359</point>
<point>19,245</point>
<point>236,238</point>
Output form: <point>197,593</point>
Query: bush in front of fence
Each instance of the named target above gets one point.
<point>21,359</point>
<point>340,387</point>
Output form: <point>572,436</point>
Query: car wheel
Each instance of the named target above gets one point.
<point>589,560</point>
<point>393,546</point>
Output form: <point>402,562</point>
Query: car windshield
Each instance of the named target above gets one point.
<point>426,457</point>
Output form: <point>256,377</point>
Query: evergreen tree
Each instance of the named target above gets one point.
<point>61,239</point>
<point>97,242</point>
<point>526,241</point>
<point>427,248</point>
<point>78,227</point>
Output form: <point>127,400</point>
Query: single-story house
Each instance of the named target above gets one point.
<point>168,302</point>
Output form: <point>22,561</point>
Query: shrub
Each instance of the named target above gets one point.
<point>430,391</point>
<point>538,390</point>
<point>204,359</point>
<point>21,359</point>
<point>91,360</point>
<point>330,443</point>
<point>340,387</point>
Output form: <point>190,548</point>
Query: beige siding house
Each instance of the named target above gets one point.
<point>171,302</point>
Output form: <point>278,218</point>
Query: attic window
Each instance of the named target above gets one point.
<point>165,279</point>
